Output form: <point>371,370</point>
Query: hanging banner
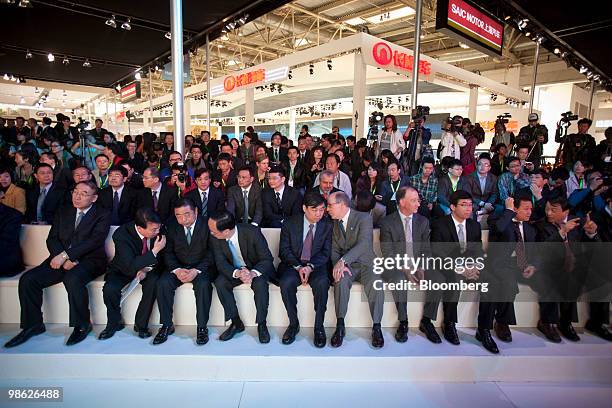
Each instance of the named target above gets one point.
<point>130,92</point>
<point>394,58</point>
<point>470,24</point>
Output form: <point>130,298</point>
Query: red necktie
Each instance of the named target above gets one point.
<point>144,246</point>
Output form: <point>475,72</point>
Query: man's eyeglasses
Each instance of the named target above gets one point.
<point>80,194</point>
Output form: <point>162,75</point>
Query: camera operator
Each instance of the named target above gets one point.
<point>180,178</point>
<point>585,200</point>
<point>502,135</point>
<point>452,140</point>
<point>576,146</point>
<point>67,134</point>
<point>535,136</point>
<point>417,141</point>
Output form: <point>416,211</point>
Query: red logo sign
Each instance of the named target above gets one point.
<point>475,24</point>
<point>245,79</point>
<point>383,55</point>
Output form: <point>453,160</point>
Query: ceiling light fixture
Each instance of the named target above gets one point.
<point>65,61</point>
<point>51,57</point>
<point>168,35</point>
<point>557,51</point>
<point>111,22</point>
<point>127,26</point>
<point>28,54</point>
<point>6,77</point>
<point>138,76</point>
<point>87,64</point>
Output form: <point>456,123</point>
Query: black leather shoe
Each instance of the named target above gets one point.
<point>290,333</point>
<point>232,330</point>
<point>319,338</point>
<point>450,333</point>
<point>263,333</point>
<point>338,336</point>
<point>502,331</point>
<point>549,331</point>
<point>202,336</point>
<point>377,337</point>
<point>110,330</point>
<point>601,331</point>
<point>163,333</point>
<point>428,328</point>
<point>401,335</point>
<point>143,333</point>
<point>25,335</point>
<point>484,336</point>
<point>567,330</point>
<point>78,335</point>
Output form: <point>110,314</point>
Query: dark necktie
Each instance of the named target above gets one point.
<point>307,248</point>
<point>276,155</point>
<point>79,218</point>
<point>342,230</point>
<point>204,204</point>
<point>115,212</point>
<point>188,235</point>
<point>278,201</point>
<point>519,250</point>
<point>155,200</point>
<point>144,246</point>
<point>245,217</point>
<point>40,203</point>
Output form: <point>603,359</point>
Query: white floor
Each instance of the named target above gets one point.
<point>184,394</point>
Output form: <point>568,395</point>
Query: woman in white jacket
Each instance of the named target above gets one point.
<point>451,141</point>
<point>390,137</point>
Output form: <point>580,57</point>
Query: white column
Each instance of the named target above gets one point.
<point>473,103</point>
<point>176,25</point>
<point>292,126</point>
<point>360,113</point>
<point>237,127</point>
<point>249,107</point>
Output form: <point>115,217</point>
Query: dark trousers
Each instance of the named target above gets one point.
<point>558,312</point>
<point>599,313</point>
<point>319,283</point>
<point>501,312</point>
<point>497,303</point>
<point>449,298</point>
<point>166,288</point>
<point>400,297</point>
<point>225,289</point>
<point>32,283</point>
<point>112,298</point>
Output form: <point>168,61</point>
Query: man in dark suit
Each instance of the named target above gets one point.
<point>120,200</point>
<point>241,256</point>
<point>511,254</point>
<point>564,265</point>
<point>449,183</point>
<point>45,198</point>
<point>62,176</point>
<point>137,256</point>
<point>279,201</point>
<point>211,147</point>
<point>276,153</point>
<point>208,199</point>
<point>483,187</point>
<point>353,257</point>
<point>98,131</point>
<point>404,231</point>
<point>244,200</point>
<point>294,168</point>
<point>77,256</point>
<point>453,236</point>
<point>391,186</point>
<point>10,222</point>
<point>157,195</point>
<point>188,258</point>
<point>305,250</point>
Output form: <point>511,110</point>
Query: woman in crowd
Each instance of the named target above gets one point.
<point>247,150</point>
<point>372,181</point>
<point>11,195</point>
<point>24,169</point>
<point>263,165</point>
<point>576,180</point>
<point>386,158</point>
<point>452,140</point>
<point>390,138</point>
<point>474,137</point>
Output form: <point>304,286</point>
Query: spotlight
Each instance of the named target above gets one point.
<point>156,67</point>
<point>583,69</point>
<point>507,17</point>
<point>51,57</point>
<point>168,35</point>
<point>65,61</point>
<point>24,3</point>
<point>13,78</point>
<point>589,75</point>
<point>527,34</point>
<point>138,76</point>
<point>36,90</point>
<point>118,88</point>
<point>564,54</point>
<point>311,68</point>
<point>596,78</point>
<point>6,77</point>
<point>464,46</point>
<point>290,74</point>
<point>126,26</point>
<point>522,23</point>
<point>557,51</point>
<point>18,80</point>
<point>329,64</point>
<point>111,22</point>
<point>87,64</point>
<point>28,54</point>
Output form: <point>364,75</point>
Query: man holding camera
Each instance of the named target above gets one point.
<point>576,146</point>
<point>417,140</point>
<point>536,136</point>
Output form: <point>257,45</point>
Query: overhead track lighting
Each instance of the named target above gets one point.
<point>168,35</point>
<point>65,61</point>
<point>126,25</point>
<point>111,22</point>
<point>28,54</point>
<point>51,57</point>
<point>87,64</point>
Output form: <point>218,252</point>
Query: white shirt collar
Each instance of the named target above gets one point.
<point>459,223</point>
<point>345,219</point>
<point>192,226</point>
<point>119,190</point>
<point>204,191</point>
<point>85,211</point>
<point>248,189</point>
<point>139,234</point>
<point>281,191</point>
<point>158,189</point>
<point>47,188</point>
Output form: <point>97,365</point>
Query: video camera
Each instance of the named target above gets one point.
<point>419,113</point>
<point>82,125</point>
<point>503,118</point>
<point>567,117</point>
<point>375,119</point>
<point>182,176</point>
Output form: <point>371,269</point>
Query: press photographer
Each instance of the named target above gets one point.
<point>502,135</point>
<point>576,146</point>
<point>180,178</point>
<point>417,141</point>
<point>535,136</point>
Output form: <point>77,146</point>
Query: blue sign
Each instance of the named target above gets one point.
<point>167,72</point>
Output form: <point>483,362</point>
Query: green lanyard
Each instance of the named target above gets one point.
<point>581,183</point>
<point>397,183</point>
<point>454,184</point>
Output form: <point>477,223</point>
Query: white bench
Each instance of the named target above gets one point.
<point>55,305</point>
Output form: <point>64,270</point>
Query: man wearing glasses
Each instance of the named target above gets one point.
<point>77,256</point>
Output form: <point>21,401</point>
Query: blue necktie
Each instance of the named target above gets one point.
<point>115,210</point>
<point>234,251</point>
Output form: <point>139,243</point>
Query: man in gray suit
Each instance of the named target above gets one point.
<point>404,232</point>
<point>244,200</point>
<point>353,258</point>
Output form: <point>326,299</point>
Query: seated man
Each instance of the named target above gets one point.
<point>77,256</point>
<point>45,198</point>
<point>404,231</point>
<point>304,250</point>
<point>244,200</point>
<point>353,257</point>
<point>120,200</point>
<point>157,195</point>
<point>391,185</point>
<point>326,184</point>
<point>188,259</point>
<point>242,256</point>
<point>279,201</point>
<point>449,183</point>
<point>208,199</point>
<point>137,256</point>
<point>483,187</point>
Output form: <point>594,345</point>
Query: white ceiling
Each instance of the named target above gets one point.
<point>59,94</point>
